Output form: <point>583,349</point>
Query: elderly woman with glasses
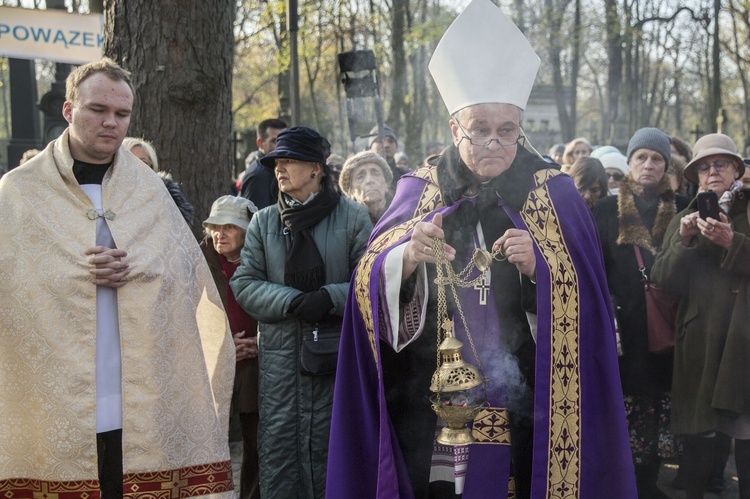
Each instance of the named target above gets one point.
<point>706,263</point>
<point>636,220</point>
<point>225,235</point>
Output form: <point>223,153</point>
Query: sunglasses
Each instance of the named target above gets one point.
<point>616,176</point>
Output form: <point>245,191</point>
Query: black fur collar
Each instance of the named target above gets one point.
<point>456,180</point>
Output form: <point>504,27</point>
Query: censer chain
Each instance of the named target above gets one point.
<point>481,260</point>
<point>444,323</point>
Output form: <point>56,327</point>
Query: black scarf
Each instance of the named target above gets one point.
<point>305,269</point>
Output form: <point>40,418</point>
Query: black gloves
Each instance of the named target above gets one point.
<point>312,306</point>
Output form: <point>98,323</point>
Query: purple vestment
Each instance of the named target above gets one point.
<point>581,447</point>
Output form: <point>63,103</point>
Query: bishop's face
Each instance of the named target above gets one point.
<point>486,136</point>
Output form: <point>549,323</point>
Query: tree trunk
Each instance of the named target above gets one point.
<point>716,69</point>
<point>180,56</point>
<point>416,108</point>
<point>738,12</point>
<point>677,103</point>
<point>398,90</point>
<point>554,18</point>
<point>614,69</point>
<point>629,90</point>
<point>575,68</point>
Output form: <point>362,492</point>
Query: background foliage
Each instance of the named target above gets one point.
<point>615,65</point>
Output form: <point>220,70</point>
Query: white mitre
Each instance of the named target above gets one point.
<point>483,58</point>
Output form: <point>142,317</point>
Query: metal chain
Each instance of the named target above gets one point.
<point>438,251</point>
<point>479,259</point>
<point>453,280</point>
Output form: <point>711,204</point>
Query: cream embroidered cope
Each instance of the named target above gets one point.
<point>177,351</point>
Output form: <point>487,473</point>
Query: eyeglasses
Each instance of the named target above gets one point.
<point>510,135</point>
<point>616,176</point>
<point>719,164</point>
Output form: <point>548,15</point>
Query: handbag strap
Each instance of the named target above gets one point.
<point>639,259</point>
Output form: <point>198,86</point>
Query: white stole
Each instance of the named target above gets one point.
<point>108,355</point>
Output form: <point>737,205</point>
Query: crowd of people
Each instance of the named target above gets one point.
<point>316,290</point>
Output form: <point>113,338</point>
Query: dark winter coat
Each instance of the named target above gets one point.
<point>622,222</point>
<point>712,340</point>
<point>245,392</point>
<point>187,209</point>
<point>259,184</point>
<point>295,410</point>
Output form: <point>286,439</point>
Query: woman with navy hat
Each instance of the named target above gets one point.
<point>294,276</point>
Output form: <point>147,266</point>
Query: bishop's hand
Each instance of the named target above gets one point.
<point>419,248</point>
<point>518,247</point>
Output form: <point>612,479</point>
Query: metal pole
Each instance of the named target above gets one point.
<point>24,115</point>
<point>292,25</point>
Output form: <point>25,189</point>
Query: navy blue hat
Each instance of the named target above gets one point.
<point>300,143</point>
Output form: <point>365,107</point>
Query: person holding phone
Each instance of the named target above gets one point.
<point>705,261</point>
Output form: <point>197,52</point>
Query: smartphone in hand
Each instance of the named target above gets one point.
<point>708,205</point>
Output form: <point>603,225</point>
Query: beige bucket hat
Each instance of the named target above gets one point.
<point>232,210</point>
<point>710,145</point>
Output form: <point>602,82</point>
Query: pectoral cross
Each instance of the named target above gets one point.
<point>483,287</point>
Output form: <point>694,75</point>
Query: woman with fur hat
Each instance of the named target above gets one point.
<point>294,277</point>
<point>705,262</point>
<point>365,178</point>
<point>637,218</point>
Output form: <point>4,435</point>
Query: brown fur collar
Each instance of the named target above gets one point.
<point>632,230</point>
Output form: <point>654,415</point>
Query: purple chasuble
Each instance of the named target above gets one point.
<point>581,447</point>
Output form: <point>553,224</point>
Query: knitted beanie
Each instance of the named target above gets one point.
<point>359,159</point>
<point>387,132</point>
<point>400,156</point>
<point>602,150</point>
<point>615,160</point>
<point>650,138</point>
